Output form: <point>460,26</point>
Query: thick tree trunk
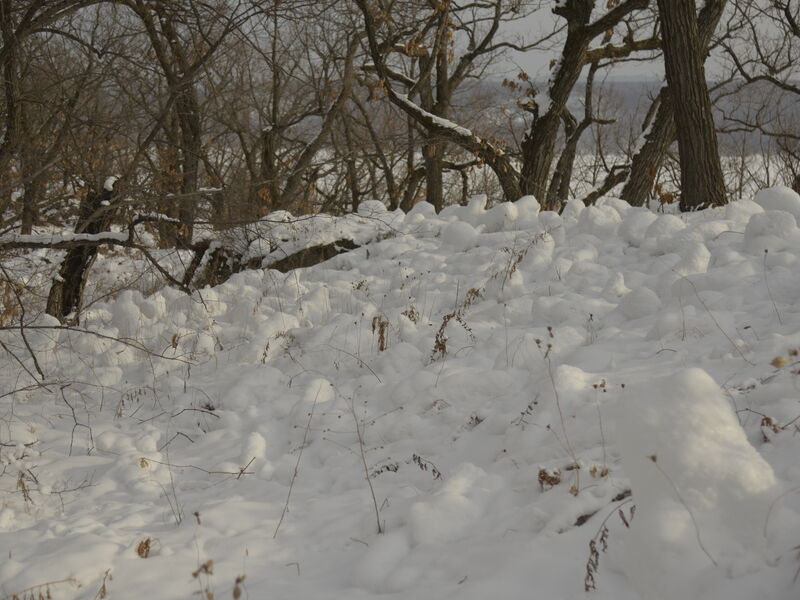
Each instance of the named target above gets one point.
<point>661,133</point>
<point>702,183</point>
<point>538,153</point>
<point>66,292</point>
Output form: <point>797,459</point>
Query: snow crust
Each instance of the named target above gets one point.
<point>492,388</point>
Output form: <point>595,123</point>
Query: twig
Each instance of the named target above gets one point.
<point>75,420</point>
<point>654,460</point>
<point>775,502</point>
<point>297,466</point>
<point>124,341</point>
<point>243,470</point>
<point>363,454</point>
<point>239,473</point>
<point>165,444</point>
<point>22,323</point>
<point>103,591</point>
<point>769,291</point>
<point>28,388</point>
<point>21,363</point>
<point>563,421</point>
<point>711,314</point>
<point>360,361</point>
<point>601,536</point>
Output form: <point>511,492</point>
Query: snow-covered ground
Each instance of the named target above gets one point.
<point>484,387</point>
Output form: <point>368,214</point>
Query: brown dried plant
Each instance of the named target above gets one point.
<point>548,477</point>
<point>380,326</point>
<point>144,547</point>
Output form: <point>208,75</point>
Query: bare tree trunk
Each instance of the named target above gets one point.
<point>412,185</point>
<point>661,133</point>
<point>648,159</point>
<point>269,191</point>
<point>539,145</point>
<point>351,170</point>
<point>67,289</point>
<point>702,183</point>
<point>191,147</point>
<point>166,182</point>
<point>32,172</point>
<point>433,153</point>
<point>34,188</point>
<point>11,89</point>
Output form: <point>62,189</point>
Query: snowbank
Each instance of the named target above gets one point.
<point>491,386</point>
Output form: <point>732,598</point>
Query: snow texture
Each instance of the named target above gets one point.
<point>487,386</point>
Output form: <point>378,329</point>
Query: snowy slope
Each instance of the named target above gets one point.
<point>504,377</point>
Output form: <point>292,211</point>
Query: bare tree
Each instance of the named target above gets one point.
<point>538,150</point>
<point>539,146</point>
<point>427,47</point>
<point>34,126</point>
<point>282,87</point>
<point>763,52</point>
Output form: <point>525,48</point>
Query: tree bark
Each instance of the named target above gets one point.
<point>66,292</point>
<point>433,153</point>
<point>646,162</point>
<point>11,89</point>
<point>538,147</point>
<point>702,183</point>
<point>191,146</point>
<point>661,133</point>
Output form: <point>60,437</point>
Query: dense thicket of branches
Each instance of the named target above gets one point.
<point>213,113</point>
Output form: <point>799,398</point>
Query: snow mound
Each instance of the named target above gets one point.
<point>702,492</point>
<point>460,235</point>
<point>641,302</point>
<point>779,198</point>
<point>770,231</point>
<point>455,508</point>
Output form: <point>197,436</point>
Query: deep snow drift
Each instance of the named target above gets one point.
<point>487,387</point>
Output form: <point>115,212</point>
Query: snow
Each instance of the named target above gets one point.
<point>460,235</point>
<point>110,182</point>
<point>436,120</point>
<point>483,385</point>
<point>67,236</point>
<point>779,198</point>
<point>703,492</point>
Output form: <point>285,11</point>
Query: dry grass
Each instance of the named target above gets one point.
<point>41,591</point>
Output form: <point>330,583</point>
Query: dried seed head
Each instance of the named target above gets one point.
<point>780,361</point>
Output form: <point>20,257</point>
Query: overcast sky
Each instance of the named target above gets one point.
<point>536,62</point>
